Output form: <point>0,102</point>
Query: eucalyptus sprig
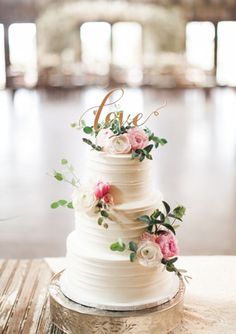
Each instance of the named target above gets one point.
<point>156,140</point>
<point>158,219</point>
<point>90,143</point>
<point>170,266</point>
<point>63,203</point>
<point>120,246</point>
<point>142,153</point>
<point>102,209</point>
<point>68,175</point>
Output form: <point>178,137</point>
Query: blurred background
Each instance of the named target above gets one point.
<point>58,58</point>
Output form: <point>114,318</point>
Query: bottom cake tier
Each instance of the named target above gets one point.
<point>68,317</point>
<point>112,282</point>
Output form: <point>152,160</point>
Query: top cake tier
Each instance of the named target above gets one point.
<point>129,179</point>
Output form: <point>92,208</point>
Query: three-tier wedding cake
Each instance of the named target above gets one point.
<point>122,253</point>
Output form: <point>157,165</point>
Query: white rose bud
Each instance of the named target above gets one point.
<point>149,254</point>
<point>84,199</point>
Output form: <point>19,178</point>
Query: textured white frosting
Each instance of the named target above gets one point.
<point>97,276</point>
<point>129,179</point>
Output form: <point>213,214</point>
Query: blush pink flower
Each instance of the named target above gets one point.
<point>108,199</point>
<point>118,145</point>
<point>148,237</point>
<point>103,137</point>
<point>167,244</point>
<point>137,138</point>
<point>101,189</point>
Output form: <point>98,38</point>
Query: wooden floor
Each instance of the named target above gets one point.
<point>24,304</point>
<point>196,168</point>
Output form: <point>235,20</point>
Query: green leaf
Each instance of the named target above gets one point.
<point>62,202</point>
<point>133,256</point>
<point>117,246</point>
<point>100,220</point>
<point>54,205</point>
<point>134,155</point>
<point>145,219</point>
<point>87,141</point>
<point>104,214</point>
<point>142,157</point>
<point>170,267</point>
<point>133,246</point>
<point>167,207</point>
<point>179,212</point>
<point>162,217</point>
<point>173,260</point>
<point>169,227</point>
<point>58,176</point>
<point>88,130</point>
<point>96,147</point>
<point>150,228</point>
<point>155,222</point>
<point>64,162</point>
<point>148,148</point>
<point>167,220</point>
<point>155,214</point>
<point>70,205</point>
<point>163,141</point>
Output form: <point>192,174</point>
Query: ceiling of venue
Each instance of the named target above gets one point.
<point>28,10</point>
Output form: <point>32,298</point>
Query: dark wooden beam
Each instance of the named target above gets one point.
<point>7,54</point>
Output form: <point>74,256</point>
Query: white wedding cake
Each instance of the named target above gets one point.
<point>122,254</point>
<point>96,276</point>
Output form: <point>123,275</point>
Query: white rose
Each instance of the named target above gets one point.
<point>118,145</point>
<point>103,137</point>
<point>149,254</point>
<point>84,199</point>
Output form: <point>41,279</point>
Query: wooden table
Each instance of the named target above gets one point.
<point>210,300</point>
<point>24,306</point>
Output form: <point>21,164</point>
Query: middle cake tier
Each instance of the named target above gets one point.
<point>123,224</point>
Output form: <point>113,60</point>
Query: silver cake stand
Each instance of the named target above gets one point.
<point>68,317</point>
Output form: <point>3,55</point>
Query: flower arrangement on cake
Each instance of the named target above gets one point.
<point>113,138</point>
<point>158,243</point>
<point>142,232</point>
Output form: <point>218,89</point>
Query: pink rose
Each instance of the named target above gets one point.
<point>118,145</point>
<point>103,137</point>
<point>167,244</point>
<point>137,138</point>
<point>101,189</point>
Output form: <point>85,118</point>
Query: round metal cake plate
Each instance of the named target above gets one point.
<point>68,317</point>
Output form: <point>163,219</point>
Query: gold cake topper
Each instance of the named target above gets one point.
<point>130,119</point>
